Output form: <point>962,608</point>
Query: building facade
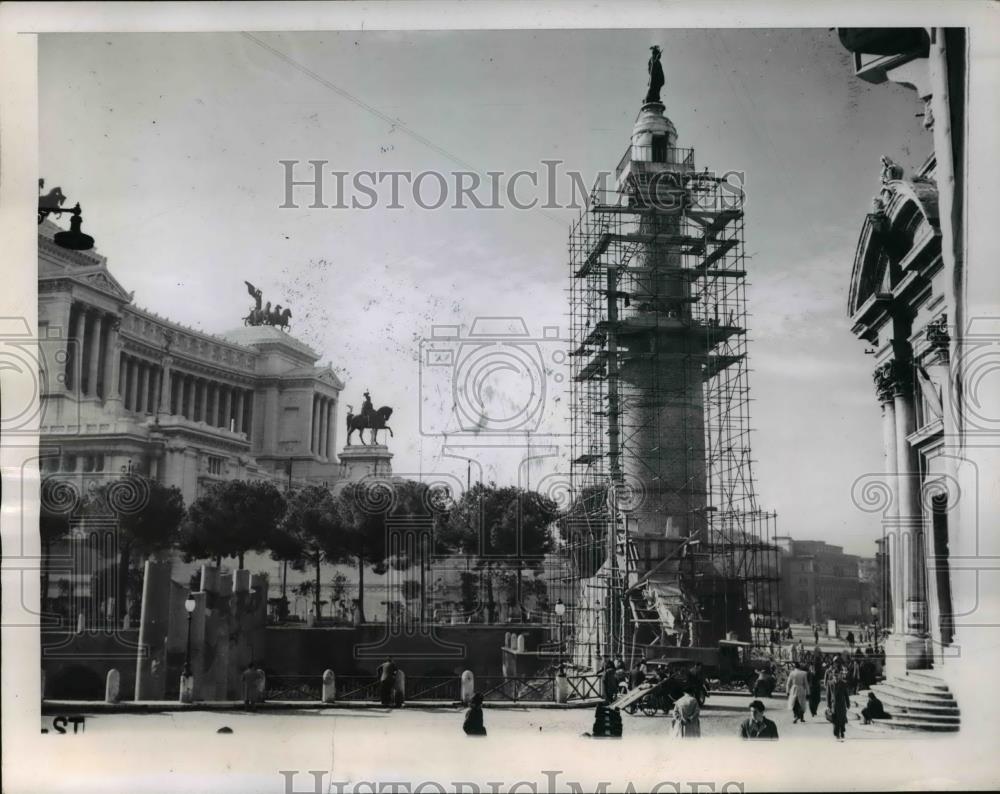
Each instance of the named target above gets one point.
<point>927,310</point>
<point>130,391</point>
<point>819,582</point>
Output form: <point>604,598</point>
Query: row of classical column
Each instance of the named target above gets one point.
<point>323,415</point>
<point>147,387</point>
<point>216,404</point>
<point>90,359</point>
<point>904,526</point>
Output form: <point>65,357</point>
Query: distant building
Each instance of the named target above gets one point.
<point>819,582</point>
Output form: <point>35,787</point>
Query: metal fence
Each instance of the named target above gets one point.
<point>442,688</point>
<point>528,688</point>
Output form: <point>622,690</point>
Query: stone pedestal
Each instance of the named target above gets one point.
<point>359,461</point>
<point>905,652</point>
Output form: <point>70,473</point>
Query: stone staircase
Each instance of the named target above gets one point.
<point>919,701</point>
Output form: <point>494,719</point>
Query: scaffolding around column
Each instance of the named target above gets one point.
<point>689,304</point>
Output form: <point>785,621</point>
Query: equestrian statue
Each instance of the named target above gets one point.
<point>370,419</point>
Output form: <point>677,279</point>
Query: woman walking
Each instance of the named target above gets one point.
<point>798,693</point>
<point>838,701</point>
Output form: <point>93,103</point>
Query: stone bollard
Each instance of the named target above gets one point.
<point>112,686</point>
<point>467,686</point>
<point>561,687</point>
<point>521,639</point>
<point>187,688</point>
<point>80,623</point>
<point>508,638</point>
<point>329,687</point>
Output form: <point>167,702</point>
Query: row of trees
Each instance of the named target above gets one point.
<point>370,525</point>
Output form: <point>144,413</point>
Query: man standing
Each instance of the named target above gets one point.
<point>838,699</point>
<point>757,726</point>
<point>386,681</point>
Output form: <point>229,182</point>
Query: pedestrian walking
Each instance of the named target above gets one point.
<point>757,726</point>
<point>816,635</point>
<point>386,681</point>
<point>850,640</point>
<point>686,719</point>
<point>815,687</point>
<point>798,693</point>
<point>473,724</point>
<point>838,701</point>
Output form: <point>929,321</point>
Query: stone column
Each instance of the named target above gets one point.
<point>94,343</point>
<point>74,363</point>
<point>314,426</point>
<point>129,363</point>
<point>189,397</point>
<point>164,393</point>
<point>202,400</point>
<point>239,410</point>
<point>155,386</point>
<point>111,359</point>
<point>321,451</point>
<point>891,518</point>
<point>249,413</point>
<point>905,648</point>
<point>122,368</point>
<point>227,405</point>
<point>141,404</point>
<point>212,395</point>
<point>330,427</point>
<point>150,668</point>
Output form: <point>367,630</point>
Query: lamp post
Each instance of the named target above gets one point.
<point>874,613</point>
<point>51,204</point>
<point>560,611</point>
<point>187,682</point>
<point>189,605</point>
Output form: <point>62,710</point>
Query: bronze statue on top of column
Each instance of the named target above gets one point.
<point>656,82</point>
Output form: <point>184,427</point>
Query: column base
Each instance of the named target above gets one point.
<point>905,652</point>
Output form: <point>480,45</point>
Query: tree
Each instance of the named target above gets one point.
<point>148,517</point>
<point>233,518</point>
<point>313,531</point>
<point>409,509</point>
<point>505,528</point>
<point>53,523</point>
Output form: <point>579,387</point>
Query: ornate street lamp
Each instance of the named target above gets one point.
<point>560,611</point>
<point>51,204</point>
<point>189,606</point>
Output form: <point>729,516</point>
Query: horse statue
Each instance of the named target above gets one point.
<point>256,316</point>
<point>378,420</point>
<point>282,318</point>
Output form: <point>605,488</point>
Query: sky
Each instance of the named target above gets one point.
<point>172,143</point>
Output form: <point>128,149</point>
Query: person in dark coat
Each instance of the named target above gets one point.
<point>637,675</point>
<point>757,726</point>
<point>386,681</point>
<point>609,677</point>
<point>473,724</point>
<point>838,700</point>
<point>815,687</point>
<point>873,710</point>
